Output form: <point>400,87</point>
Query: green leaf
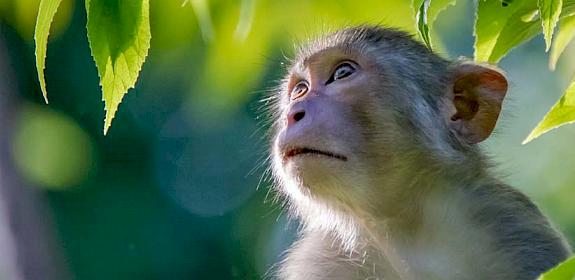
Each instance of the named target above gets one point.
<point>549,11</point>
<point>416,5</point>
<point>422,24</point>
<point>563,112</point>
<point>500,28</point>
<point>521,27</point>
<point>436,7</point>
<point>563,271</point>
<point>46,12</point>
<point>119,35</point>
<point>426,12</point>
<point>568,8</point>
<point>564,35</point>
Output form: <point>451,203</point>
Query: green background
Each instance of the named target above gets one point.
<point>172,191</point>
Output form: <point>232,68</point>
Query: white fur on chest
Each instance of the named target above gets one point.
<point>447,245</point>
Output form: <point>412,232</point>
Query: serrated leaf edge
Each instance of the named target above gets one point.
<point>549,26</point>
<point>535,133</point>
<point>111,109</point>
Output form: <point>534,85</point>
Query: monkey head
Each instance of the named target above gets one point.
<point>365,110</point>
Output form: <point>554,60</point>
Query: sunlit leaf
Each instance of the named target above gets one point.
<point>564,35</point>
<point>564,271</point>
<point>421,19</point>
<point>549,11</point>
<point>489,21</point>
<point>119,35</point>
<point>505,3</point>
<point>568,8</point>
<point>563,112</point>
<point>521,27</point>
<point>436,7</point>
<point>426,11</point>
<point>500,28</point>
<point>46,12</point>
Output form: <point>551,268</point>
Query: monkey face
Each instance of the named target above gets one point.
<point>323,132</point>
<point>367,112</point>
<point>362,110</point>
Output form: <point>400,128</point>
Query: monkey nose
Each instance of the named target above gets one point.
<point>295,116</point>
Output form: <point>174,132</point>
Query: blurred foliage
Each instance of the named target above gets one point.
<point>119,36</point>
<point>119,39</point>
<point>22,15</point>
<point>171,192</point>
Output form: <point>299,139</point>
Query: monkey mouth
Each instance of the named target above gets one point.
<point>308,151</point>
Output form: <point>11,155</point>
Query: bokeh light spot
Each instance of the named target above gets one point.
<point>206,170</point>
<point>50,149</point>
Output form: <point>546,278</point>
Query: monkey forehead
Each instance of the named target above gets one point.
<point>325,57</point>
<point>343,42</point>
<point>367,40</point>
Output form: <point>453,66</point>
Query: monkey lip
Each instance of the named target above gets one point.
<point>309,151</point>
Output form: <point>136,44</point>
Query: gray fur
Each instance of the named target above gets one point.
<point>415,201</point>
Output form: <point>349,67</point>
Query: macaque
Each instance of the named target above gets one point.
<point>374,151</point>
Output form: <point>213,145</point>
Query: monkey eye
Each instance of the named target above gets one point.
<point>343,70</point>
<point>299,90</point>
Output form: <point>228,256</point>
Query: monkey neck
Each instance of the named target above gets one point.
<point>412,180</point>
<point>389,233</point>
<point>396,211</point>
<point>401,208</point>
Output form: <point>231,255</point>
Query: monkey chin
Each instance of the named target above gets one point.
<point>316,171</point>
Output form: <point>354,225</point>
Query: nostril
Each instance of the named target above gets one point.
<point>295,117</point>
<point>298,116</point>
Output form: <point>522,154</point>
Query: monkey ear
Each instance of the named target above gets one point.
<point>476,94</point>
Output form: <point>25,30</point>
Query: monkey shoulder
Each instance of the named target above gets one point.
<point>518,230</point>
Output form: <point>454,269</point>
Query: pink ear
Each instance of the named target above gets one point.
<point>477,94</point>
